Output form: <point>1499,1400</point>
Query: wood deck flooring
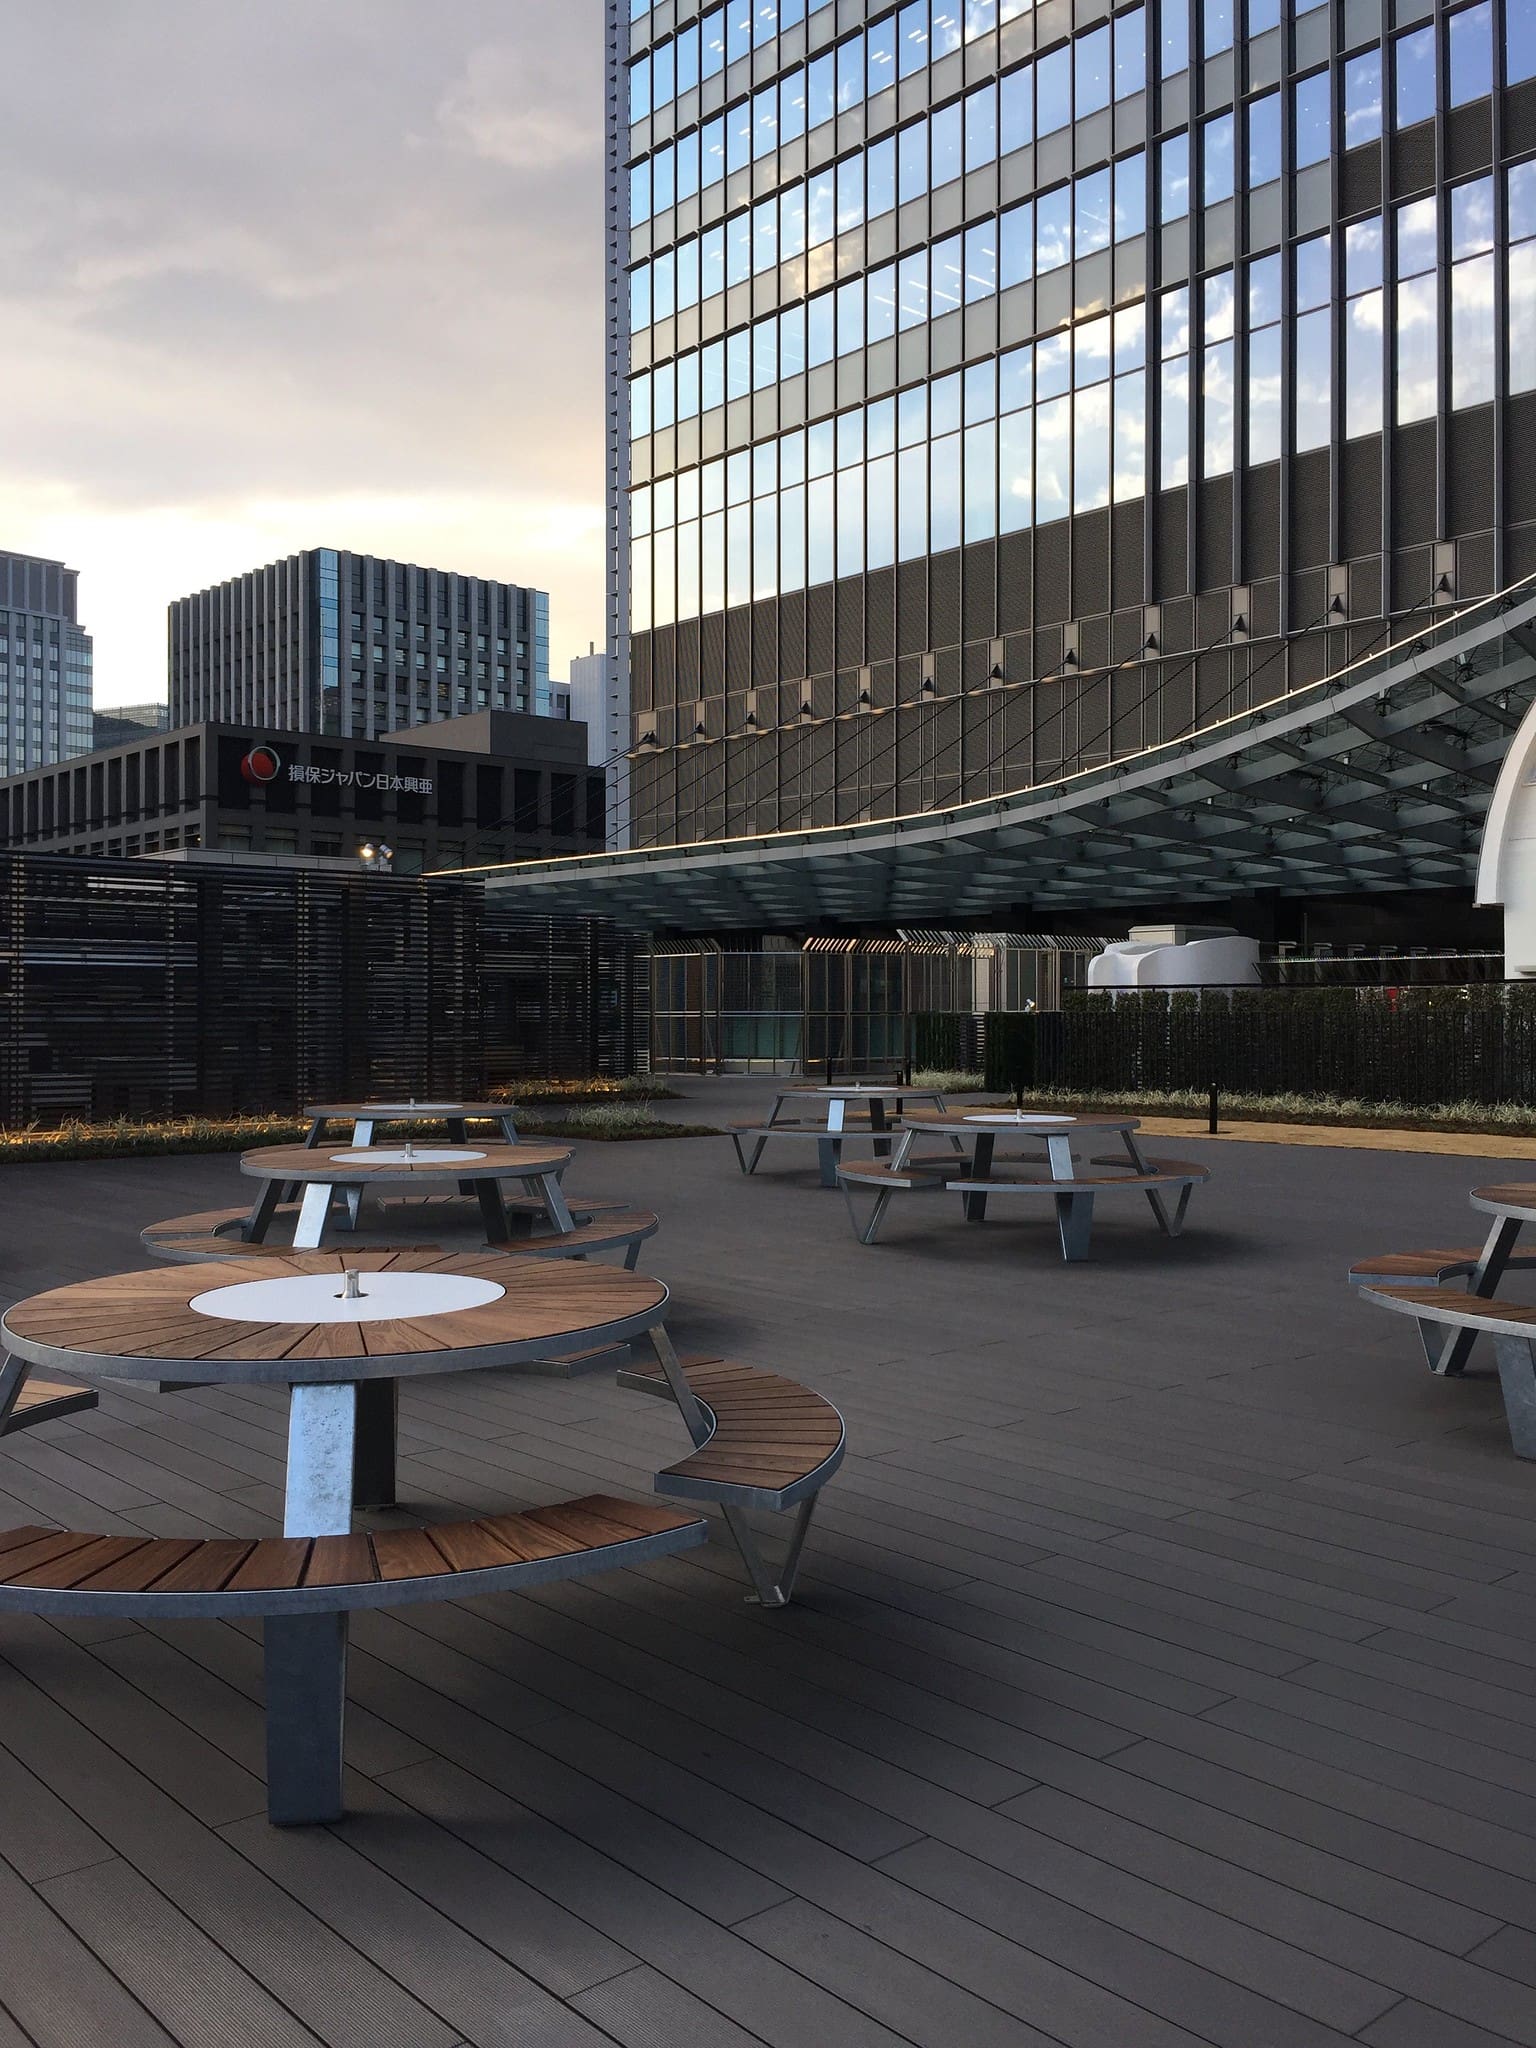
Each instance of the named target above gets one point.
<point>1162,1671</point>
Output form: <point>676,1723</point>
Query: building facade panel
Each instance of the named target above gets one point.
<point>1011,387</point>
<point>355,646</point>
<point>45,665</point>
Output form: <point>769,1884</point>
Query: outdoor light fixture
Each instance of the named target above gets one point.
<point>377,856</point>
<point>929,687</point>
<point>864,700</point>
<point>997,675</point>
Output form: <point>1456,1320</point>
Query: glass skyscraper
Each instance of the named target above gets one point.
<point>999,389</point>
<point>45,665</point>
<point>355,645</point>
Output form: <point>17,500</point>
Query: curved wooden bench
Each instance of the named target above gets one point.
<point>304,1584</point>
<point>36,1401</point>
<point>629,1228</point>
<point>1512,1327</point>
<point>1073,1198</point>
<point>760,1441</point>
<point>1448,1357</point>
<point>207,1234</point>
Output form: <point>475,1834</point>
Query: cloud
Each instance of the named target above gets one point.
<point>296,274</point>
<point>515,108</point>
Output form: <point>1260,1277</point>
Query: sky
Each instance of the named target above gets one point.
<point>279,274</point>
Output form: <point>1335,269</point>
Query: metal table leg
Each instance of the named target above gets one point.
<point>263,1209</point>
<point>1074,1213</point>
<point>305,1655</point>
<point>975,1206</point>
<point>553,1197</point>
<point>1450,1356</point>
<point>493,1211</point>
<point>1517,1378</point>
<point>315,1209</point>
<point>829,1150</point>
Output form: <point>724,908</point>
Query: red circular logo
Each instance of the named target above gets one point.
<point>260,765</point>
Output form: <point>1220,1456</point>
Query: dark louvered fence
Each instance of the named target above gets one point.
<point>1418,1045</point>
<point>146,988</point>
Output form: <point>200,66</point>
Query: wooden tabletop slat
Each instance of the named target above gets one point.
<point>207,1568</point>
<point>340,1561</point>
<point>407,1554</point>
<point>70,1567</point>
<point>647,1518</point>
<point>590,1525</point>
<point>18,1539</point>
<point>471,1546</point>
<point>54,1543</point>
<point>147,1563</point>
<point>277,1561</point>
<point>528,1540</point>
<point>147,1316</point>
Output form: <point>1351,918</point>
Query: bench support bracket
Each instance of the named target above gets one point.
<point>1448,1357</point>
<point>1517,1378</point>
<point>305,1657</point>
<point>770,1588</point>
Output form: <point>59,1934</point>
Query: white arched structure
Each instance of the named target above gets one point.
<point>1506,869</point>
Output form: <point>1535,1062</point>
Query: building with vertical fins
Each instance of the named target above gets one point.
<point>1003,393</point>
<point>45,665</point>
<point>355,646</point>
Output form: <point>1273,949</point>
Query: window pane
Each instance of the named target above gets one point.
<point>912,503</point>
<point>1216,136</point>
<point>1521,316</point>
<point>1174,168</point>
<point>1472,218</point>
<point>738,554</point>
<point>1519,47</point>
<point>945,147</point>
<point>1220,308</point>
<point>980,127</point>
<point>981,261</point>
<point>1094,207</point>
<point>1217,24</point>
<point>1313,128</point>
<point>1131,196</point>
<point>1416,237</point>
<point>1314,379</point>
<point>1416,349</point>
<point>1263,291</point>
<point>1362,255</point>
<point>1472,341</point>
<point>850,520</point>
<point>1016,257</point>
<point>1174,55</point>
<point>944,493</point>
<point>1091,65</point>
<point>1264,139</point>
<point>1130,437</point>
<point>912,162</point>
<point>1216,392</point>
<point>1053,460</point>
<point>819,555</point>
<point>880,314</point>
<point>981,480</point>
<point>912,289</point>
<point>880,513</point>
<point>948,276</point>
<point>1016,116</point>
<point>1362,98</point>
<point>1522,200</point>
<point>1090,473</point>
<point>1053,229</point>
<point>1414,58</point>
<point>1472,52</point>
<point>1314,273</point>
<point>1053,90</point>
<point>1174,466</point>
<point>1363,366</point>
<point>1131,53</point>
<point>912,38</point>
<point>1265,415</point>
<point>1015,443</point>
<point>765,548</point>
<point>712,562</point>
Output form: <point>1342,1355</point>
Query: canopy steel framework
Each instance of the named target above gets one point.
<point>1376,778</point>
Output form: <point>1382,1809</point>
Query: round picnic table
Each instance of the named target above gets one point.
<point>453,1116</point>
<point>884,1100</point>
<point>981,1128</point>
<point>291,1320</point>
<point>355,1168</point>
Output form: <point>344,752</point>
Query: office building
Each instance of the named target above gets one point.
<point>596,700</point>
<point>491,786</point>
<point>355,646</point>
<point>45,664</point>
<point>124,722</point>
<point>1013,391</point>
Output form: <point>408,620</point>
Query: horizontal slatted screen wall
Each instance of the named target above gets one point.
<point>136,988</point>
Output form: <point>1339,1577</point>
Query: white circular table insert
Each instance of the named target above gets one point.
<point>1020,1117</point>
<point>378,1109</point>
<point>396,1155</point>
<point>320,1298</point>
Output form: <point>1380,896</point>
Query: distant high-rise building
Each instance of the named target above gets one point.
<point>595,700</point>
<point>45,665</point>
<point>125,722</point>
<point>353,645</point>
